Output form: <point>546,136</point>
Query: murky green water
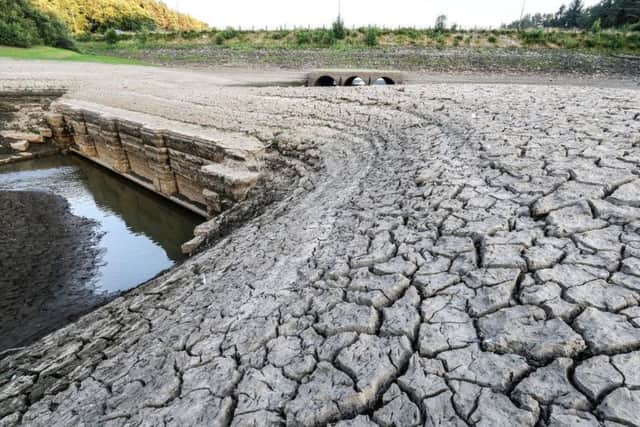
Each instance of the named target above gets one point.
<point>141,232</point>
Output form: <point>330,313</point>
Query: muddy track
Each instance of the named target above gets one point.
<point>445,255</point>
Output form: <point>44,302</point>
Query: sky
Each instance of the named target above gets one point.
<point>259,14</point>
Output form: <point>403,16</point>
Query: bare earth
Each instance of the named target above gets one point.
<point>453,254</point>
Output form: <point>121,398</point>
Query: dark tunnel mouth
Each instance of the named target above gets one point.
<point>352,79</point>
<point>326,81</point>
<point>381,81</point>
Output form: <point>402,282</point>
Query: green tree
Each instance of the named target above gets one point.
<point>372,36</point>
<point>23,26</point>
<point>338,29</point>
<point>574,14</point>
<point>97,16</point>
<point>111,37</point>
<point>441,23</point>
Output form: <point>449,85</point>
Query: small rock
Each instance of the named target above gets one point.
<point>46,133</point>
<point>20,146</point>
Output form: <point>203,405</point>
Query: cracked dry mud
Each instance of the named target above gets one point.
<point>448,255</point>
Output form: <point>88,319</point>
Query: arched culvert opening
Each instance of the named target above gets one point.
<point>326,81</point>
<point>381,81</point>
<point>355,81</point>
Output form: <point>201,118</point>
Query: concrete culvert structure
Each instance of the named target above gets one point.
<point>327,77</point>
<point>381,81</point>
<point>355,81</point>
<point>326,81</point>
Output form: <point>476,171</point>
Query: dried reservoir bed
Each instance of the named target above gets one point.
<point>444,254</point>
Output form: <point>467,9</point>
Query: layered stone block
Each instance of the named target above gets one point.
<point>82,141</point>
<point>157,157</point>
<point>59,132</point>
<point>103,131</point>
<point>202,168</point>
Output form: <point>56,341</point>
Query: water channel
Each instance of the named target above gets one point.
<point>136,234</point>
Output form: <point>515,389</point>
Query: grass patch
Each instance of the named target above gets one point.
<point>51,53</point>
<point>609,41</point>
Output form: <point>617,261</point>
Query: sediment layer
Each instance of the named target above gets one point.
<point>446,255</point>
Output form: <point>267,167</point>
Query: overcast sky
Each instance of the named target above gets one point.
<point>389,13</point>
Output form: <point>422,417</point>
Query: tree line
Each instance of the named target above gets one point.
<point>26,23</point>
<point>97,16</point>
<point>606,14</point>
<point>22,25</point>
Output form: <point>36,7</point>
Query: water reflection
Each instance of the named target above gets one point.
<point>142,232</point>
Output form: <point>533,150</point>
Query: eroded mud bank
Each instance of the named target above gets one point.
<point>48,259</point>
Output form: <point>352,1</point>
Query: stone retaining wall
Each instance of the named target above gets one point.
<point>24,134</point>
<point>201,169</point>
